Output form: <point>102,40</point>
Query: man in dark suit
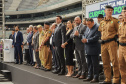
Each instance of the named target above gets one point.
<point>12,35</point>
<point>17,44</point>
<point>59,38</point>
<point>54,60</point>
<point>29,43</point>
<point>79,48</point>
<point>92,47</point>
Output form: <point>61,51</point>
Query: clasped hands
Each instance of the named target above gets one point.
<point>84,40</point>
<point>76,33</point>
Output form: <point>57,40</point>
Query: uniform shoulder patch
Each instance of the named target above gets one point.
<point>49,31</point>
<point>102,19</point>
<point>115,18</point>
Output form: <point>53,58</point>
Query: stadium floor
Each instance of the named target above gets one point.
<point>48,75</point>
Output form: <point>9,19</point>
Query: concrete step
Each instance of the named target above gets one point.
<point>6,74</point>
<point>6,83</point>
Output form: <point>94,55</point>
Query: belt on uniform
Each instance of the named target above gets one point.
<point>106,41</point>
<point>47,45</point>
<point>122,44</point>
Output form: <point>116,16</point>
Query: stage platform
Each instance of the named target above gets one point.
<point>22,74</point>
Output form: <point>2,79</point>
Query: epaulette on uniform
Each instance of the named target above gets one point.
<point>115,18</point>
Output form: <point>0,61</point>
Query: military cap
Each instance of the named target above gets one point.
<point>100,16</point>
<point>108,6</point>
<point>47,23</point>
<point>124,8</point>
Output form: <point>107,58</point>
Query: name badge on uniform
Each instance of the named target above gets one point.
<point>49,32</point>
<point>102,25</point>
<point>42,34</point>
<point>120,27</point>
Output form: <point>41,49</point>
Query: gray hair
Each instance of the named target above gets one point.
<point>30,26</point>
<point>78,17</point>
<point>27,28</point>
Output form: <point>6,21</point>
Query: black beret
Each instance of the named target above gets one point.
<point>124,8</point>
<point>100,16</point>
<point>47,23</point>
<point>108,6</point>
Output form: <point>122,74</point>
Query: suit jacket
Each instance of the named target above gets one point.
<point>77,39</point>
<point>19,39</point>
<point>59,35</point>
<point>92,46</point>
<point>25,41</point>
<point>11,36</point>
<point>29,38</point>
<point>36,41</point>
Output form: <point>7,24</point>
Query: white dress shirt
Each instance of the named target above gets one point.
<point>15,36</point>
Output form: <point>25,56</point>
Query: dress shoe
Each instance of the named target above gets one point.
<point>20,63</point>
<point>26,64</point>
<point>82,77</point>
<point>61,73</point>
<point>87,79</point>
<point>16,62</point>
<point>104,82</point>
<point>53,67</point>
<point>94,81</point>
<point>76,76</point>
<point>47,69</point>
<point>55,71</point>
<point>42,68</point>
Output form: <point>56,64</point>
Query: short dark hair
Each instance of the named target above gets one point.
<point>100,16</point>
<point>13,29</point>
<point>70,21</point>
<point>90,19</point>
<point>85,19</point>
<point>35,27</point>
<point>17,26</point>
<point>59,17</point>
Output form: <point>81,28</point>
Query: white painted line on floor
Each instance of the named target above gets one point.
<point>39,75</point>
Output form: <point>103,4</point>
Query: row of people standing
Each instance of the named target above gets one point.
<point>57,38</point>
<point>84,40</point>
<point>76,39</point>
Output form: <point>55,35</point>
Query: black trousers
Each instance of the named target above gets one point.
<point>81,60</point>
<point>60,58</point>
<point>54,60</point>
<point>93,66</point>
<point>31,53</point>
<point>18,53</point>
<point>27,56</point>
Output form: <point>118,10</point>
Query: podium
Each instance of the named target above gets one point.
<point>8,50</point>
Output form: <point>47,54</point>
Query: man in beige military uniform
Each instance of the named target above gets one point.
<point>47,55</point>
<point>41,35</point>
<point>122,47</point>
<point>108,28</point>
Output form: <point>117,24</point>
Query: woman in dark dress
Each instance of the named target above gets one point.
<point>69,49</point>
